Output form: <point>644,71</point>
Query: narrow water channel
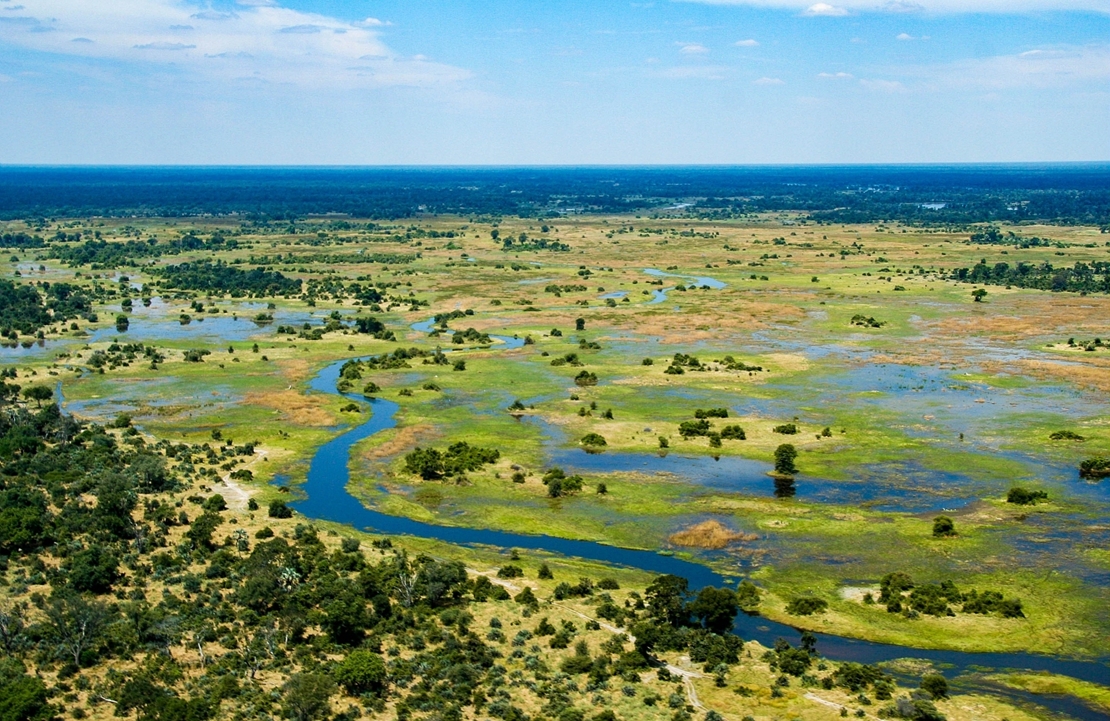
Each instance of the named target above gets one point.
<point>328,499</point>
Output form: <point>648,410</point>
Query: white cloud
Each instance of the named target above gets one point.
<point>904,36</point>
<point>835,76</point>
<point>826,10</point>
<point>930,6</point>
<point>692,48</point>
<point>769,81</point>
<point>259,40</point>
<point>749,43</point>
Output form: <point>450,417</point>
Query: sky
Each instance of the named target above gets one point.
<point>510,82</point>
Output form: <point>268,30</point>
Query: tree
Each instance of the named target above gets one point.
<point>93,570</point>
<point>362,672</point>
<point>346,619</point>
<point>278,509</point>
<point>784,459</point>
<point>580,324</point>
<point>38,394</point>
<point>943,527</point>
<point>307,696</point>
<point>666,599</point>
<point>201,530</point>
<point>716,608</point>
<point>22,697</point>
<point>978,294</point>
<point>76,624</point>
<point>935,685</point>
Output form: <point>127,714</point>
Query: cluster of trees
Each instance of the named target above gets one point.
<point>20,240</point>
<point>432,464</point>
<point>104,254</point>
<point>25,310</point>
<point>900,594</point>
<point>1094,468</point>
<point>993,236</point>
<point>1083,277</point>
<point>220,278</point>
<point>524,242</point>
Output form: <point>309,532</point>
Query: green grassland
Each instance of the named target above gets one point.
<point>796,324</point>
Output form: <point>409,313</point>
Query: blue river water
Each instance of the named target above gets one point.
<point>327,498</point>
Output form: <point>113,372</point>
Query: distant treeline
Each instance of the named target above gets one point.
<point>1083,277</point>
<point>1072,193</point>
<point>219,277</point>
<point>101,253</point>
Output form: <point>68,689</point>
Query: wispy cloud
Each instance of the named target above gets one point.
<point>835,76</point>
<point>259,39</point>
<point>163,45</point>
<point>843,7</point>
<point>692,48</point>
<point>749,43</point>
<point>769,81</point>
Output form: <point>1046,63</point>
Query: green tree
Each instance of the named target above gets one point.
<point>935,685</point>
<point>943,527</point>
<point>307,696</point>
<point>666,599</point>
<point>362,672</point>
<point>978,294</point>
<point>76,625</point>
<point>22,697</point>
<point>716,608</point>
<point>38,394</point>
<point>785,456</point>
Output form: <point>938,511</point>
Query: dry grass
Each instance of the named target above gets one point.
<point>294,407</point>
<point>709,534</point>
<point>402,439</point>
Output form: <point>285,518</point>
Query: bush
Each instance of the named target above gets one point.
<point>943,527</point>
<point>593,440</point>
<point>735,433</point>
<point>787,429</point>
<point>806,606</point>
<point>1097,467</point>
<point>585,378</point>
<point>278,509</point>
<point>362,672</point>
<point>1022,497</point>
<point>935,685</point>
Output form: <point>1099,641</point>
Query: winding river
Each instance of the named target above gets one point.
<point>328,499</point>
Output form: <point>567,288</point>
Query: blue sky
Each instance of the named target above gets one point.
<point>502,82</point>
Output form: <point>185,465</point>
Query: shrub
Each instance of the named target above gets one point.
<point>734,433</point>
<point>1023,497</point>
<point>787,429</point>
<point>1097,467</point>
<point>278,509</point>
<point>806,606</point>
<point>593,440</point>
<point>943,527</point>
